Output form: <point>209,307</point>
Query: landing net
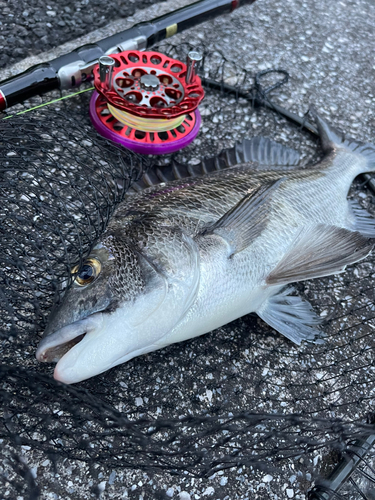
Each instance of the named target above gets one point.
<point>241,409</point>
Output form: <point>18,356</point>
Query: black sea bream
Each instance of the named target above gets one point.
<point>182,258</point>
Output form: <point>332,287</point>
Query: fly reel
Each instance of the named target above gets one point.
<point>147,101</point>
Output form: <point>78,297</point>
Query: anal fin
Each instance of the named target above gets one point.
<point>318,251</point>
<point>291,316</point>
<point>364,222</point>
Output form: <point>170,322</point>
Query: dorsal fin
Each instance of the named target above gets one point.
<point>266,153</point>
<point>331,138</point>
<point>258,153</point>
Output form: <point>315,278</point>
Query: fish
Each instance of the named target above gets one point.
<point>182,257</point>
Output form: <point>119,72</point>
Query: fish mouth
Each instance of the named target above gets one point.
<point>55,345</point>
<point>54,354</point>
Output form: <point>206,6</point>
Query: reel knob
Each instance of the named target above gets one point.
<point>149,82</point>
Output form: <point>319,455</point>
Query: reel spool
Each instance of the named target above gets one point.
<point>147,101</point>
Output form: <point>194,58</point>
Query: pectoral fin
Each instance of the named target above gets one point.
<point>246,220</point>
<point>291,316</point>
<point>320,251</point>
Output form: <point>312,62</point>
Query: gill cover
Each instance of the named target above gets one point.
<point>140,298</point>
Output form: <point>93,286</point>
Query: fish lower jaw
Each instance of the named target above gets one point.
<point>54,346</point>
<point>54,354</point>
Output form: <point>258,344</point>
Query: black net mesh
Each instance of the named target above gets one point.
<point>241,410</point>
<point>58,191</point>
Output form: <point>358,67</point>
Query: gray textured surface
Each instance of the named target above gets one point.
<point>328,49</point>
<point>91,34</point>
<point>29,28</point>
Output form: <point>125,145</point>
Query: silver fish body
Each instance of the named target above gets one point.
<point>182,258</point>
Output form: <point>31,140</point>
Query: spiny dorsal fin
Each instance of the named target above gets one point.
<point>319,251</point>
<point>246,220</point>
<point>258,153</point>
<point>266,153</point>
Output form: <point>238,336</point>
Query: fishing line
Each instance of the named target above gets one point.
<point>48,103</point>
<point>145,124</point>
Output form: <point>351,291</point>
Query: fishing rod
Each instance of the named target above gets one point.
<point>74,68</point>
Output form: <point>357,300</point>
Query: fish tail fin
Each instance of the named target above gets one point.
<point>331,138</point>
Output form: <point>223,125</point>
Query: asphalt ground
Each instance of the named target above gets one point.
<point>327,47</point>
<point>31,28</point>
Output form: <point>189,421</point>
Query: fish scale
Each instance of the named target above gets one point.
<point>183,257</point>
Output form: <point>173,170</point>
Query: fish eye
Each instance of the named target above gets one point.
<point>88,272</point>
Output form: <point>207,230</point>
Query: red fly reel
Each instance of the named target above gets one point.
<point>147,101</point>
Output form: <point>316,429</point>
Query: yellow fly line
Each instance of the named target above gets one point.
<point>145,124</point>
<point>47,103</point>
